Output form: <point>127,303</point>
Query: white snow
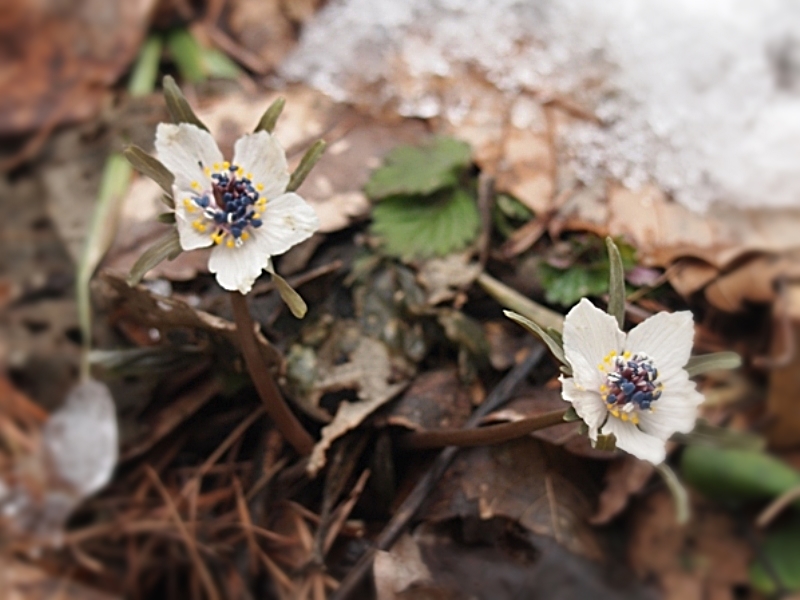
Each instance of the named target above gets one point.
<point>700,96</point>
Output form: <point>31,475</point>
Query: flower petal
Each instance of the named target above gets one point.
<point>287,221</point>
<point>261,156</point>
<point>237,268</point>
<point>588,404</point>
<point>589,335</point>
<point>183,149</point>
<point>675,411</point>
<point>667,338</point>
<point>636,442</point>
<point>190,238</point>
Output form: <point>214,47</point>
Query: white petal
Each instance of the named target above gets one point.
<point>588,404</point>
<point>667,338</point>
<point>287,221</point>
<point>261,156</point>
<point>237,268</point>
<point>190,238</point>
<point>636,442</point>
<point>589,335</point>
<point>183,149</point>
<point>675,411</point>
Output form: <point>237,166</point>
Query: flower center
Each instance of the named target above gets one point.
<point>231,208</point>
<point>631,384</point>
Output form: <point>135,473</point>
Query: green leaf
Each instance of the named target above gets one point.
<point>683,509</point>
<point>567,287</point>
<point>178,107</point>
<point>187,54</point>
<point>145,72</point>
<point>218,65</point>
<point>735,475</point>
<point>555,346</point>
<point>168,247</point>
<point>616,284</point>
<point>705,434</point>
<point>167,218</point>
<point>421,227</point>
<point>412,170</point>
<point>288,294</point>
<point>781,549</point>
<point>698,365</point>
<point>270,117</point>
<point>307,163</point>
<point>151,167</point>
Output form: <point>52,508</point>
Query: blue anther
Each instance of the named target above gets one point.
<point>220,217</point>
<point>256,223</point>
<point>233,168</point>
<point>627,388</point>
<point>639,397</point>
<point>201,201</point>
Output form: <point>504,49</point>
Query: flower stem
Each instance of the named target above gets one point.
<point>268,391</point>
<point>484,436</point>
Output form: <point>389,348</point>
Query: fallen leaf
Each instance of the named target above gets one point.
<point>706,558</point>
<point>435,400</point>
<point>263,28</point>
<point>524,480</point>
<point>443,278</point>
<point>625,478</point>
<point>783,400</point>
<point>153,310</point>
<point>369,372</point>
<point>398,569</point>
<point>64,72</point>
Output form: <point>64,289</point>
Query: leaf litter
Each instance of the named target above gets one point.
<point>207,493</point>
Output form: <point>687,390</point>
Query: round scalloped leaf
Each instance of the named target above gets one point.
<point>421,227</point>
<point>419,169</point>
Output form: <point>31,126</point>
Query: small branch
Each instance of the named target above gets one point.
<point>484,436</point>
<point>276,406</point>
<point>777,506</point>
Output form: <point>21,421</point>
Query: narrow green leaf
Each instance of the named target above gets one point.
<point>187,54</point>
<point>307,163</point>
<point>511,299</point>
<point>420,170</point>
<point>683,509</point>
<point>177,105</point>
<point>616,284</point>
<point>145,72</point>
<point>292,299</point>
<point>698,365</point>
<point>218,65</point>
<point>552,344</point>
<point>735,475</point>
<point>271,115</point>
<point>571,415</point>
<point>705,434</point>
<point>168,247</point>
<point>781,549</point>
<point>115,181</point>
<point>168,218</point>
<point>605,442</point>
<point>151,167</point>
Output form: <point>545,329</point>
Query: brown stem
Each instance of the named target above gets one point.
<point>493,434</point>
<point>282,416</point>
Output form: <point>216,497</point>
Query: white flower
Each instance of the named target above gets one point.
<point>635,385</point>
<point>239,207</point>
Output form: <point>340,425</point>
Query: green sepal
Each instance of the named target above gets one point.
<point>553,344</point>
<point>307,163</point>
<point>167,218</point>
<point>177,105</point>
<point>166,248</point>
<point>571,415</point>
<point>616,284</point>
<point>607,443</point>
<point>270,117</point>
<point>151,167</point>
<point>288,294</point>
<point>698,365</point>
